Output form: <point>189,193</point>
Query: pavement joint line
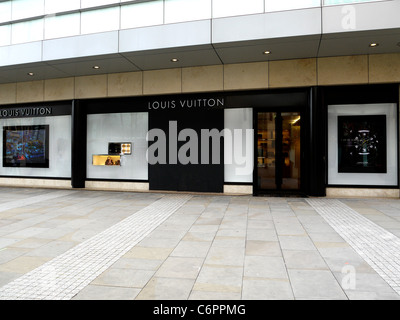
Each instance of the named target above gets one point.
<point>34,199</point>
<point>54,281</point>
<point>377,246</point>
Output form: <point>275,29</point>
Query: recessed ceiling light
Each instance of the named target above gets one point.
<point>31,74</point>
<point>174,60</point>
<point>373,45</point>
<point>96,67</point>
<point>267,52</point>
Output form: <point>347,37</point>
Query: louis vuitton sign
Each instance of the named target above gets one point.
<point>26,112</point>
<point>186,103</point>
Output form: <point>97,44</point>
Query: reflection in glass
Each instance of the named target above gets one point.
<point>226,8</point>
<point>100,20</point>
<point>362,144</point>
<point>266,150</point>
<point>142,14</point>
<point>187,10</point>
<point>27,31</point>
<point>96,3</point>
<point>278,151</point>
<point>5,11</point>
<point>5,35</point>
<point>55,6</point>
<point>281,5</point>
<point>62,26</point>
<point>333,2</point>
<point>290,150</point>
<point>22,9</point>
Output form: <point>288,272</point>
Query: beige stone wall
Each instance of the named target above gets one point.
<point>362,193</point>
<point>35,183</point>
<point>362,69</point>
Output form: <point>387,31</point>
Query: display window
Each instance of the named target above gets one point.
<point>36,147</point>
<point>116,146</point>
<point>363,145</point>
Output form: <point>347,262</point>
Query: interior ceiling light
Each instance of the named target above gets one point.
<point>267,52</point>
<point>96,67</point>
<point>174,60</point>
<point>373,45</point>
<point>31,74</point>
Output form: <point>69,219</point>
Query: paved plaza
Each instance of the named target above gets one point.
<point>99,245</point>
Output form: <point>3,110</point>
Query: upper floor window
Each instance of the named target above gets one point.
<point>22,9</point>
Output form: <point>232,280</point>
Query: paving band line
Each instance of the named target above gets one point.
<point>35,199</point>
<point>377,246</point>
<point>64,276</point>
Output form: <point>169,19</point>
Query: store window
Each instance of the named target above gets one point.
<point>35,147</point>
<point>116,146</point>
<point>362,145</point>
<point>239,123</point>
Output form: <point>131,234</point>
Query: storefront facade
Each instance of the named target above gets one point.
<point>36,143</point>
<point>309,141</point>
<point>194,142</point>
<point>262,97</point>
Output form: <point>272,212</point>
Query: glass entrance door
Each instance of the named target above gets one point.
<point>278,151</point>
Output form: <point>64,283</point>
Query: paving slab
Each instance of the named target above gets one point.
<point>97,245</point>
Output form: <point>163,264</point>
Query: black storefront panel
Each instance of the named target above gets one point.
<point>181,165</point>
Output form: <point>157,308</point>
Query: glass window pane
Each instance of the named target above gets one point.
<point>62,26</point>
<point>267,150</point>
<point>187,10</point>
<point>122,127</point>
<point>5,11</point>
<point>54,6</point>
<point>5,35</point>
<point>238,119</point>
<point>225,8</point>
<point>142,14</point>
<point>96,3</point>
<point>27,31</point>
<point>274,5</point>
<point>333,2</point>
<point>362,177</point>
<point>59,147</point>
<point>100,20</point>
<point>291,153</point>
<point>27,8</point>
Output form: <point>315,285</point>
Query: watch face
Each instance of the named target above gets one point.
<point>366,143</point>
<point>362,144</point>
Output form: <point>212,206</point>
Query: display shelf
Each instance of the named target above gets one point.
<point>106,160</point>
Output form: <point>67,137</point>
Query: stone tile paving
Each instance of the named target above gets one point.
<point>67,274</point>
<point>379,247</point>
<point>119,245</point>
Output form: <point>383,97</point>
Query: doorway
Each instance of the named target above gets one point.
<point>278,152</point>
